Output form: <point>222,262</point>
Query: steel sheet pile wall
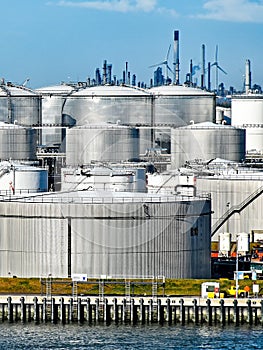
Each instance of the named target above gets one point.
<point>17,143</point>
<point>101,143</point>
<point>132,239</point>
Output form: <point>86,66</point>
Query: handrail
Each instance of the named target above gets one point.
<point>236,209</point>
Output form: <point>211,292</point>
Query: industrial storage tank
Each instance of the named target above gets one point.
<point>17,178</point>
<point>19,105</point>
<point>247,112</point>
<point>102,233</point>
<point>53,101</point>
<point>101,143</point>
<point>178,105</point>
<point>206,141</point>
<point>17,142</point>
<point>106,103</point>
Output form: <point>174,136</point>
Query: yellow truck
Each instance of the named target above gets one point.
<point>231,292</point>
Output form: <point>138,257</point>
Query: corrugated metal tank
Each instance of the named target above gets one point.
<point>16,178</point>
<point>206,141</point>
<point>17,143</point>
<point>19,104</point>
<point>178,105</point>
<point>234,189</point>
<point>105,235</point>
<point>105,142</point>
<point>53,101</point>
<point>247,112</point>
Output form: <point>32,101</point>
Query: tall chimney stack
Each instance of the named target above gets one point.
<point>203,67</point>
<point>176,57</point>
<point>248,77</point>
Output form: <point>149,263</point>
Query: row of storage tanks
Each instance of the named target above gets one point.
<point>177,107</point>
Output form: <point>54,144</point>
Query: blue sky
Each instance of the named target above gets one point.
<point>50,41</point>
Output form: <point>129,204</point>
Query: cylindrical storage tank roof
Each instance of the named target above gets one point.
<point>206,141</point>
<point>109,104</point>
<point>17,143</point>
<point>178,105</point>
<point>101,143</point>
<point>19,104</point>
<point>247,112</point>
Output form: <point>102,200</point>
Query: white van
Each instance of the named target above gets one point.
<point>210,290</point>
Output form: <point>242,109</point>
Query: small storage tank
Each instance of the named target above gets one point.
<point>19,104</point>
<point>101,143</point>
<point>247,112</point>
<point>17,142</point>
<point>16,178</point>
<point>206,141</point>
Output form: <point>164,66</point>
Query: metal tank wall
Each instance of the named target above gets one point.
<point>17,143</point>
<point>179,105</point>
<point>247,112</point>
<point>115,239</point>
<point>234,190</point>
<point>94,105</point>
<point>206,141</point>
<point>19,105</point>
<point>53,101</point>
<point>101,143</point>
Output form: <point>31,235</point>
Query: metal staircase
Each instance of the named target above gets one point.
<point>236,209</point>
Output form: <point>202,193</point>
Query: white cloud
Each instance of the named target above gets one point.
<point>118,5</point>
<point>233,10</point>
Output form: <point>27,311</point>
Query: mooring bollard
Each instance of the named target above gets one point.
<point>142,311</point>
<point>115,310</point>
<point>182,311</point>
<point>23,309</point>
<point>195,311</point>
<point>62,311</point>
<point>236,312</point>
<point>36,310</point>
<point>44,310</point>
<point>249,312</point>
<point>10,309</point>
<point>222,312</point>
<point>88,311</point>
<point>168,311</point>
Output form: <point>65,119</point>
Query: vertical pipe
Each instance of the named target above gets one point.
<point>97,310</point>
<point>150,316</point>
<point>123,310</point>
<point>222,312</point>
<point>115,310</point>
<point>176,57</point>
<point>44,310</point>
<point>62,311</point>
<point>168,311</point>
<point>203,67</point>
<point>195,311</point>
<point>88,311</point>
<point>209,312</point>
<point>182,311</point>
<point>236,312</point>
<point>142,311</point>
<point>71,310</point>
<point>249,312</point>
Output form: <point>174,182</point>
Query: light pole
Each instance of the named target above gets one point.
<point>237,239</point>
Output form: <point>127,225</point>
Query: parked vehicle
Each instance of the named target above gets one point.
<point>210,290</point>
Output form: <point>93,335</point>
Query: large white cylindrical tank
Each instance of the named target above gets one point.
<point>18,179</point>
<point>101,143</point>
<point>247,112</point>
<point>17,143</point>
<point>206,141</point>
<point>106,103</point>
<point>177,105</point>
<point>19,105</point>
<point>113,234</point>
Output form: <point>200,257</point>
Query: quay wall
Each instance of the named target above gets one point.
<point>163,310</point>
